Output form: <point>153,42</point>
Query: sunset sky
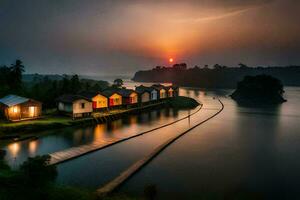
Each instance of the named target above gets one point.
<point>94,37</point>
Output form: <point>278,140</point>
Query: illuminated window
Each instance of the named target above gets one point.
<point>31,111</point>
<point>15,109</point>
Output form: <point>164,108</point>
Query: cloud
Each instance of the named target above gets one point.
<point>88,36</point>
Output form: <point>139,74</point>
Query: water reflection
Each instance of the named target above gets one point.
<point>56,140</point>
<point>14,149</point>
<point>32,148</point>
<point>243,150</point>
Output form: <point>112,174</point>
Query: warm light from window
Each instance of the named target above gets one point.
<point>14,149</point>
<point>31,111</point>
<point>15,109</point>
<point>32,147</point>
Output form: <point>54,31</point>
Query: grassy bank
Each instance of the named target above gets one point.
<point>24,128</point>
<point>182,102</point>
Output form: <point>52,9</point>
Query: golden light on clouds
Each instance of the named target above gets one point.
<point>172,30</point>
<point>130,35</point>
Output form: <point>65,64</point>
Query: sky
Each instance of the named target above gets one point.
<point>109,37</point>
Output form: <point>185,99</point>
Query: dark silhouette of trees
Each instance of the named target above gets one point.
<point>75,85</point>
<point>180,66</point>
<point>41,87</point>
<point>259,89</point>
<point>46,90</point>
<point>37,171</point>
<point>118,83</point>
<point>17,70</point>
<point>217,66</point>
<point>243,66</point>
<point>219,76</point>
<point>11,78</point>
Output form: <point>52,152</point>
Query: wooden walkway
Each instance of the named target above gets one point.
<point>125,175</point>
<point>74,152</point>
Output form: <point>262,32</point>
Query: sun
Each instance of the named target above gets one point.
<point>171,60</point>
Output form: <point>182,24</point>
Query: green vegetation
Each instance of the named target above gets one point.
<point>49,122</point>
<point>43,88</point>
<point>261,89</point>
<point>118,83</point>
<point>182,102</point>
<point>35,180</point>
<point>11,78</point>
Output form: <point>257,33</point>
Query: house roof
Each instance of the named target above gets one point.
<point>158,86</point>
<point>88,95</point>
<point>12,100</point>
<point>108,92</point>
<point>121,91</point>
<point>126,92</point>
<point>142,89</point>
<point>70,98</point>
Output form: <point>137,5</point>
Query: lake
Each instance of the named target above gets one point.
<point>245,151</point>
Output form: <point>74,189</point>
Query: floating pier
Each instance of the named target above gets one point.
<point>125,175</point>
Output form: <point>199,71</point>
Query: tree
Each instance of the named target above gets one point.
<point>205,67</point>
<point>75,84</point>
<point>196,67</point>
<point>37,171</point>
<point>65,85</point>
<point>118,82</point>
<point>17,70</point>
<point>262,89</point>
<point>87,86</point>
<point>243,66</point>
<point>217,66</point>
<point>181,66</point>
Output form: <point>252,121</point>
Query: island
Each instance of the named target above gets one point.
<point>216,76</point>
<point>259,90</point>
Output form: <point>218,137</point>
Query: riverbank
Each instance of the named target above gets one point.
<point>28,129</point>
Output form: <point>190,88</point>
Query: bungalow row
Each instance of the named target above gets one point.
<point>16,108</point>
<point>84,104</point>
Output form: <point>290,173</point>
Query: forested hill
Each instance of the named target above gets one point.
<point>218,77</point>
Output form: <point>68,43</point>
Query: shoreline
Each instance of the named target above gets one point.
<point>18,131</point>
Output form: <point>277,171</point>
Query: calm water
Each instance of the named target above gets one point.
<point>55,140</point>
<point>251,151</point>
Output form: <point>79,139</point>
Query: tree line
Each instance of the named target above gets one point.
<point>43,89</point>
<point>216,76</point>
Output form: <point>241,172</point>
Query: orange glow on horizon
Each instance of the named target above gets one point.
<point>171,60</point>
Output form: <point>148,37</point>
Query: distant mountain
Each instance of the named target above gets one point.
<point>219,77</point>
